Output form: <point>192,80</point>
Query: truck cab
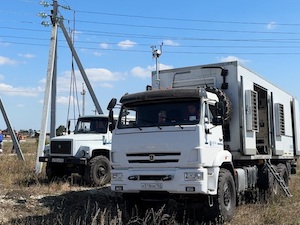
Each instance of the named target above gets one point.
<point>85,151</point>
<point>173,148</point>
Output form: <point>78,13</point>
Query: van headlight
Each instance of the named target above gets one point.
<point>193,176</point>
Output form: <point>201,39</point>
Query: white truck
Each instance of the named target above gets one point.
<point>241,142</point>
<point>86,151</point>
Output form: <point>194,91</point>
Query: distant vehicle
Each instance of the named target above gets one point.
<point>86,151</point>
<point>206,136</point>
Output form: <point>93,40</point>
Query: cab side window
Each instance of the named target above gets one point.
<point>209,109</point>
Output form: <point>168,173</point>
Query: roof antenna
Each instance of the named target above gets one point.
<point>156,53</point>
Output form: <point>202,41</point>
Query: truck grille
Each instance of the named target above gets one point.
<point>60,147</point>
<point>153,157</point>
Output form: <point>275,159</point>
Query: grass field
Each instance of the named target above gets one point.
<point>28,198</point>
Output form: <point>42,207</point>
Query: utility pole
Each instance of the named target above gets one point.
<point>49,84</point>
<point>50,88</point>
<point>12,133</point>
<point>83,99</point>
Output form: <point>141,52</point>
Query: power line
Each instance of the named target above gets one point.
<point>170,51</point>
<point>187,29</point>
<point>264,41</point>
<point>183,19</point>
<point>148,44</point>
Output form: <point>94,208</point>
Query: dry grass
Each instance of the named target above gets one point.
<point>27,198</point>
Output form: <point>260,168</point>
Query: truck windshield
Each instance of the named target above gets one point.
<point>159,114</point>
<point>91,125</point>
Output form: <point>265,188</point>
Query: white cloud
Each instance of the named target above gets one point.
<point>96,76</point>
<point>66,100</point>
<point>28,56</point>
<point>146,72</point>
<point>20,105</point>
<point>4,43</point>
<point>232,58</point>
<point>104,46</point>
<point>98,53</point>
<point>141,72</point>
<point>106,85</point>
<point>170,43</point>
<point>19,91</point>
<point>126,44</point>
<point>7,61</point>
<point>102,74</point>
<point>271,25</point>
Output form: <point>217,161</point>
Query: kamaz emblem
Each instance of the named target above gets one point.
<point>151,158</point>
<point>59,146</point>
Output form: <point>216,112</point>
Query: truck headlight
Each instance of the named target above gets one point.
<point>117,176</point>
<point>193,176</point>
<point>84,153</point>
<point>46,152</point>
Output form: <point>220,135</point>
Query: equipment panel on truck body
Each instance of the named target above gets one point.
<point>263,115</point>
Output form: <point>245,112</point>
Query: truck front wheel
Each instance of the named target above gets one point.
<point>224,203</point>
<point>54,171</point>
<point>97,172</point>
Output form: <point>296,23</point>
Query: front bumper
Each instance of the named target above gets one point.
<point>135,181</point>
<point>63,160</point>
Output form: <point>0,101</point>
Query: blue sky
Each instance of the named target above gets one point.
<point>113,40</point>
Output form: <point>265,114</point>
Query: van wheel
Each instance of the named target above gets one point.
<point>97,172</point>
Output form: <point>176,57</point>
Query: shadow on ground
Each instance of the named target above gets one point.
<point>94,206</point>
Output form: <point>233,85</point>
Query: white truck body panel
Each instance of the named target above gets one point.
<point>241,80</point>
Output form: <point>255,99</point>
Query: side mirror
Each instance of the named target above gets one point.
<point>69,123</point>
<point>111,127</point>
<point>112,124</point>
<point>112,104</point>
<point>219,114</point>
<point>219,109</point>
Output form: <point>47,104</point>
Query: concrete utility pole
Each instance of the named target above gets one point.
<point>83,99</point>
<point>49,84</point>
<point>50,88</point>
<point>12,133</point>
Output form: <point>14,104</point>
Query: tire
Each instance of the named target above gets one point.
<point>97,172</point>
<point>283,173</point>
<point>274,186</point>
<point>54,171</point>
<point>224,204</point>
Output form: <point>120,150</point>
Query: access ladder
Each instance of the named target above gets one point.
<point>279,179</point>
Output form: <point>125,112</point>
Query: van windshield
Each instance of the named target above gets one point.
<point>159,114</point>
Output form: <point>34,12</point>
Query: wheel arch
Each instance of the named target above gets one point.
<point>104,152</point>
<point>229,166</point>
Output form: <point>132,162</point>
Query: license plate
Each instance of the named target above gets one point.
<point>152,186</point>
<point>58,160</point>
